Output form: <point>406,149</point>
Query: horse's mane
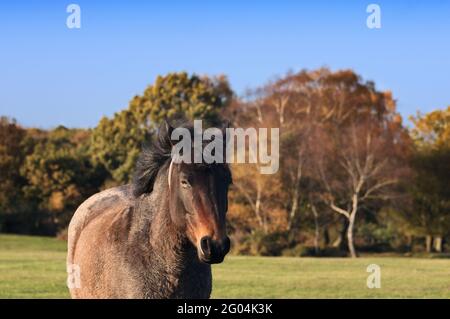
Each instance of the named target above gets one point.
<point>154,155</point>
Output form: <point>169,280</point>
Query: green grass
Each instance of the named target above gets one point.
<point>34,267</point>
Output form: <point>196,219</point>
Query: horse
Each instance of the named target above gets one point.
<point>156,237</point>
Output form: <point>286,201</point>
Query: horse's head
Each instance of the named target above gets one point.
<point>199,199</point>
<point>198,195</point>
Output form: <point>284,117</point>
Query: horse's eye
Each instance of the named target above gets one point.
<point>185,183</point>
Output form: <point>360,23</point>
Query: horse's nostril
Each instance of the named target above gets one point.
<point>205,244</point>
<point>214,251</point>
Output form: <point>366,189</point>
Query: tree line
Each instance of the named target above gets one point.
<point>352,178</point>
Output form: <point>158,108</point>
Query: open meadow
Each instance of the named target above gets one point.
<point>34,267</point>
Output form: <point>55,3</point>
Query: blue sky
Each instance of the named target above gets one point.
<point>51,75</point>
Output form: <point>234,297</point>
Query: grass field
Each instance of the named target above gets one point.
<point>34,267</point>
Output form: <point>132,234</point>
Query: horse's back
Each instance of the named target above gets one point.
<point>97,209</point>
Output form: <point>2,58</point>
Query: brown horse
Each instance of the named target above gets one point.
<point>156,237</point>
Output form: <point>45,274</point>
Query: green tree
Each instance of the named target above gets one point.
<point>116,142</point>
<point>430,216</point>
<point>180,96</point>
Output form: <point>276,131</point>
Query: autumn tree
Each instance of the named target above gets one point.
<point>317,110</point>
<point>260,196</point>
<point>361,164</point>
<point>59,174</point>
<point>11,159</point>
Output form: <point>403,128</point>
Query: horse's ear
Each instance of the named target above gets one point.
<point>165,131</point>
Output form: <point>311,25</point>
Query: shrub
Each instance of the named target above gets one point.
<point>298,250</point>
<point>307,251</point>
<point>259,243</point>
<point>269,244</point>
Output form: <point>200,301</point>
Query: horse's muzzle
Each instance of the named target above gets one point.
<point>214,251</point>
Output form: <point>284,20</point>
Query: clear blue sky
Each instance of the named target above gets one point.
<point>52,75</point>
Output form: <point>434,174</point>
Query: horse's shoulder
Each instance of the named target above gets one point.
<point>110,201</point>
<point>97,204</point>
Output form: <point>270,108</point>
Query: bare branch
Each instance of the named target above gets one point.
<point>378,186</point>
<point>339,210</point>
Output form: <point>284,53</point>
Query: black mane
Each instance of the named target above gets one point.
<point>153,156</point>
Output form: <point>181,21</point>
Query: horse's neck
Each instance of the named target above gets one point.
<point>168,242</point>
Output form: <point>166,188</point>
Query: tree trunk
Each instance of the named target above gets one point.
<point>340,241</point>
<point>438,244</point>
<point>257,210</point>
<point>316,230</point>
<point>351,224</point>
<point>326,237</point>
<point>410,242</point>
<point>293,209</point>
<point>258,213</point>
<point>295,195</point>
<point>428,243</point>
<point>351,245</point>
